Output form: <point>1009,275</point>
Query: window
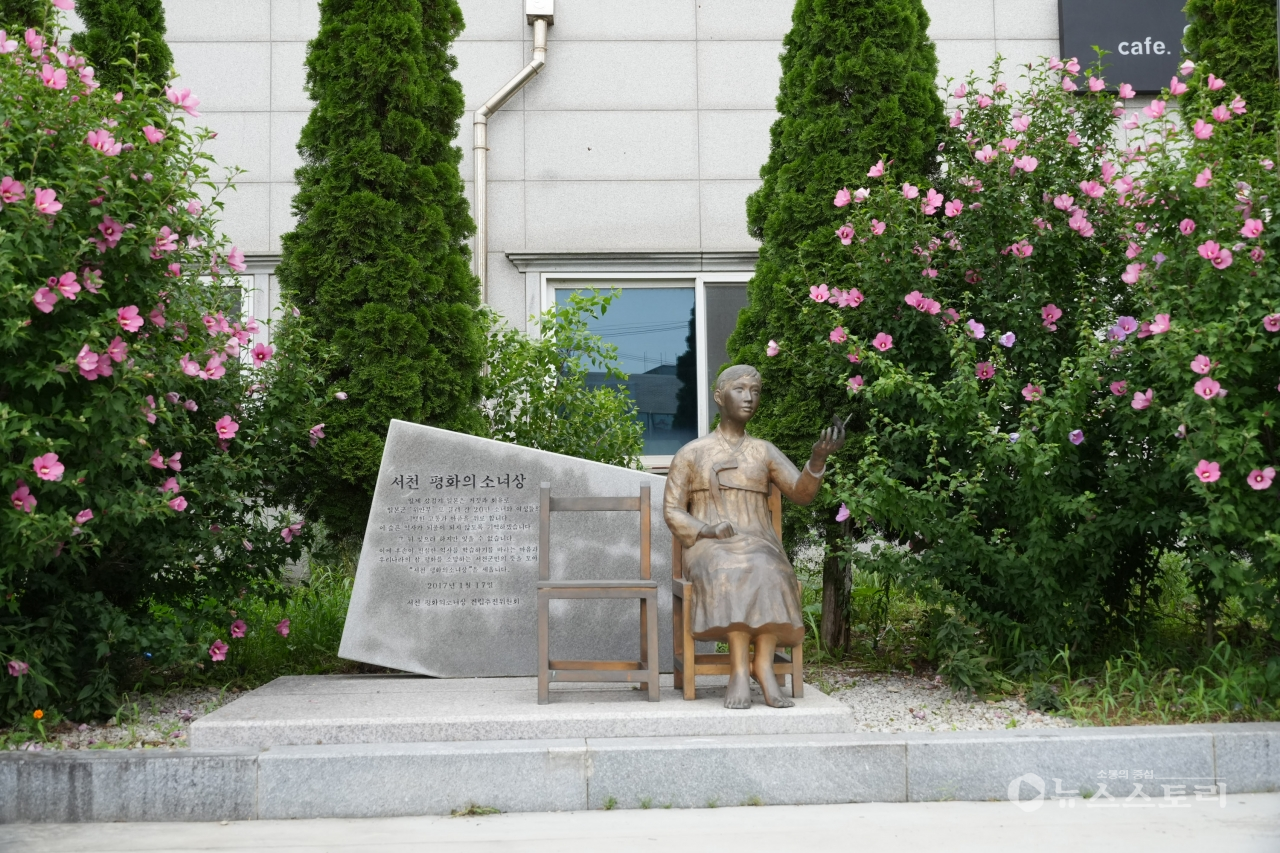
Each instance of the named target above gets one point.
<point>671,333</point>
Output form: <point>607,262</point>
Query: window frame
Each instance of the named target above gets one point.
<point>549,282</point>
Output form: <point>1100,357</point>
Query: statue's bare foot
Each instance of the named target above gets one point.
<point>769,687</point>
<point>738,696</point>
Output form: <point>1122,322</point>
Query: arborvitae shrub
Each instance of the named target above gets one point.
<point>1236,39</point>
<point>378,263</point>
<point>17,15</point>
<point>110,26</point>
<point>858,86</point>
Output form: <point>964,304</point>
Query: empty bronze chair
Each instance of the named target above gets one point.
<point>645,670</point>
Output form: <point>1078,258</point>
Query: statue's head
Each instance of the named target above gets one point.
<point>738,392</point>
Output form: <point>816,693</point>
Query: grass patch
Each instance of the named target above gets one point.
<point>474,811</point>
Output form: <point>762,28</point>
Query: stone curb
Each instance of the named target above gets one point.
<point>386,780</point>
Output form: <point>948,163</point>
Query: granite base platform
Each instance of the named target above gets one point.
<point>335,709</point>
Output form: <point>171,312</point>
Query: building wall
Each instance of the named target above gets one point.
<point>645,132</point>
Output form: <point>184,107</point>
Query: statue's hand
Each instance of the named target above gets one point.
<point>723,530</point>
<point>831,440</point>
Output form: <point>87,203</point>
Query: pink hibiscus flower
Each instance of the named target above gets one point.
<point>1207,471</point>
<point>47,467</point>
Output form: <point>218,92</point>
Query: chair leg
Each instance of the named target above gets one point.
<point>651,643</point>
<point>797,671</point>
<point>644,644</point>
<point>544,651</point>
<point>690,650</point>
<point>677,642</point>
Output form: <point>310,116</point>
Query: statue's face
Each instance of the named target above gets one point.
<point>739,399</point>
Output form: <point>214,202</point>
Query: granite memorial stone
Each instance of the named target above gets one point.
<point>445,583</point>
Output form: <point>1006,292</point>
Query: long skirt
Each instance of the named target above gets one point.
<point>743,583</point>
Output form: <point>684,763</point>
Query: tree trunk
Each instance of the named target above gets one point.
<point>836,582</point>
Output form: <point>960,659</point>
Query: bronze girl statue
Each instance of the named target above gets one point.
<point>717,505</point>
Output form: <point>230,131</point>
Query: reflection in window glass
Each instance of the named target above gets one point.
<point>724,301</point>
<point>653,329</point>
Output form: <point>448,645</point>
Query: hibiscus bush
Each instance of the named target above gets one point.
<point>141,428</point>
<point>1207,367</point>
<point>976,325</point>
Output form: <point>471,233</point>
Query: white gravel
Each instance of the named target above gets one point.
<point>881,703</point>
<point>147,721</point>
<point>902,703</point>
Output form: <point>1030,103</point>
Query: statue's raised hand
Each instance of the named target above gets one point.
<point>831,440</point>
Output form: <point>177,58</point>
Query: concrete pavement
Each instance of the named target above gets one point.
<point>1242,823</point>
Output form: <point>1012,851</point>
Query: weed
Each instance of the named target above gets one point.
<point>753,801</point>
<point>713,803</point>
<point>475,811</point>
<point>646,802</point>
<point>610,803</point>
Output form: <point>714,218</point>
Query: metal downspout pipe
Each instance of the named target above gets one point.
<point>481,142</point>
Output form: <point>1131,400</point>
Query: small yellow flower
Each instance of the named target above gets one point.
<point>39,715</point>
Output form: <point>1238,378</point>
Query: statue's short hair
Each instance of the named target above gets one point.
<point>736,372</point>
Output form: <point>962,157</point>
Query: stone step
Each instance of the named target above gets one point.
<point>390,779</point>
<point>329,709</point>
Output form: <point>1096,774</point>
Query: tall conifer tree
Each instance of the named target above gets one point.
<point>858,85</point>
<point>1236,40</point>
<point>110,26</point>
<point>378,263</point>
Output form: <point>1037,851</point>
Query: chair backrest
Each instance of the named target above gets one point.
<point>548,505</point>
<point>775,514</point>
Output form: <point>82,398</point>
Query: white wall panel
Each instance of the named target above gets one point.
<point>733,143</point>
<point>506,145</point>
<point>1017,53</point>
<point>493,20</point>
<point>653,75</point>
<point>738,75</point>
<point>246,217</point>
<point>744,20</point>
<point>243,140</point>
<point>960,19</point>
<point>598,145</point>
<point>225,76</point>
<point>289,76</point>
<point>506,214</point>
<point>293,20</point>
<point>282,218</point>
<point>957,57</point>
<point>1026,19</point>
<point>604,216</point>
<point>506,290</point>
<point>216,20</point>
<point>724,215</point>
<point>485,66</point>
<point>286,129</point>
<point>632,20</point>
